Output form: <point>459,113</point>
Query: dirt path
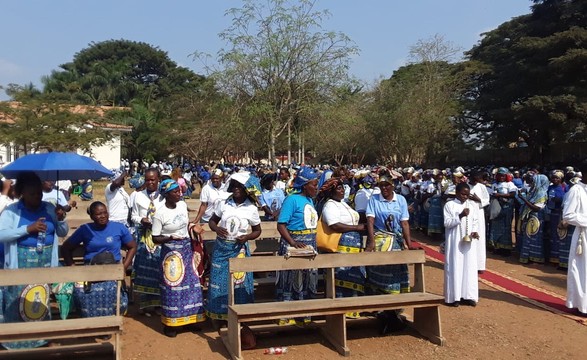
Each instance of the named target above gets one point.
<point>500,327</point>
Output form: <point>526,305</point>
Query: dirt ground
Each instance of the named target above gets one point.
<point>500,327</point>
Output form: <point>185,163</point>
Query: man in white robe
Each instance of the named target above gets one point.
<point>461,233</point>
<point>480,196</point>
<point>575,213</point>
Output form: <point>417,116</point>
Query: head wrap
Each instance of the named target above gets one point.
<point>167,186</point>
<point>385,178</point>
<point>538,193</point>
<point>326,175</point>
<point>368,181</point>
<point>329,185</point>
<point>136,181</point>
<point>218,172</point>
<point>502,170</point>
<point>249,182</point>
<point>115,174</point>
<point>559,174</point>
<point>304,176</point>
<point>569,169</point>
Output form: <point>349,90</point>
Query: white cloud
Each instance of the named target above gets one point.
<point>9,69</point>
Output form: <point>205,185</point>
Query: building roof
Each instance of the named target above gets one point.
<point>100,111</point>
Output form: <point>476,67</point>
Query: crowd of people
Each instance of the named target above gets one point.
<point>538,215</point>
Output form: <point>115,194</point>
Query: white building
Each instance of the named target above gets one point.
<point>108,154</point>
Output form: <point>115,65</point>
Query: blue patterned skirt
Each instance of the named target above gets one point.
<point>181,293</point>
<point>435,216</point>
<point>500,230</point>
<point>565,236</point>
<point>297,284</point>
<point>24,303</point>
<point>146,273</point>
<point>554,253</point>
<point>387,279</point>
<point>532,247</point>
<point>217,304</point>
<point>350,281</point>
<point>99,299</point>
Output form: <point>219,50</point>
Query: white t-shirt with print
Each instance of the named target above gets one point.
<point>171,222</point>
<point>237,218</point>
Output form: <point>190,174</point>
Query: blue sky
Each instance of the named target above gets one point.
<point>38,36</point>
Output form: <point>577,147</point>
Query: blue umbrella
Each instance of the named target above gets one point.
<point>57,166</point>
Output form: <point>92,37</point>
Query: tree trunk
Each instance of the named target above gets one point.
<point>289,143</point>
<point>272,150</point>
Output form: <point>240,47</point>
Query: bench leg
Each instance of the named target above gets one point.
<point>117,349</point>
<point>427,323</point>
<point>335,332</point>
<point>232,340</point>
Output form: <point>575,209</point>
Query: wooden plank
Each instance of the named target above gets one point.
<point>427,323</point>
<point>252,264</point>
<point>74,351</point>
<point>61,274</point>
<point>234,335</point>
<point>58,329</point>
<point>315,307</point>
<point>335,332</point>
<point>330,284</point>
<point>265,233</point>
<point>419,284</point>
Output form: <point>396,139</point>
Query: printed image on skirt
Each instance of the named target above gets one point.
<point>99,298</point>
<point>297,284</point>
<point>217,305</point>
<point>24,303</point>
<point>181,293</point>
<point>387,279</point>
<point>350,281</point>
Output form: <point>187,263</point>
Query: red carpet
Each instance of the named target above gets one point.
<point>530,293</point>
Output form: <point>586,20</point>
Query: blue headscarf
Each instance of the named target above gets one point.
<point>167,186</point>
<point>304,176</point>
<point>326,175</point>
<point>136,181</point>
<point>538,193</point>
<point>503,171</point>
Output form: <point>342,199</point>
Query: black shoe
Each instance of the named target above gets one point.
<point>480,272</point>
<point>169,331</point>
<point>581,314</point>
<point>390,322</point>
<point>452,304</point>
<point>469,302</point>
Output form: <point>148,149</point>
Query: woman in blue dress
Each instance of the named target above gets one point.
<point>297,224</point>
<point>20,226</point>
<point>532,220</point>
<point>388,229</point>
<point>554,206</point>
<point>102,241</point>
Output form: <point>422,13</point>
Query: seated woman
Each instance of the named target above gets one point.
<point>28,232</point>
<point>181,293</point>
<point>341,218</point>
<point>102,241</point>
<point>271,198</point>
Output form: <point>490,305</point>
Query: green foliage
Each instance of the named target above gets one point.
<point>279,64</point>
<point>119,72</point>
<point>528,78</point>
<point>38,125</point>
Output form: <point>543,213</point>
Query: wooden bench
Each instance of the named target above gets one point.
<point>426,319</point>
<point>63,329</point>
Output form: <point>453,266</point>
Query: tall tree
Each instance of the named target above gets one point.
<point>280,63</point>
<point>118,72</point>
<point>37,125</point>
<point>528,78</point>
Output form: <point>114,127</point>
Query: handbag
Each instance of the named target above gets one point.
<point>326,239</point>
<point>494,209</point>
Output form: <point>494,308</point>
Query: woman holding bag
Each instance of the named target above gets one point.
<point>338,217</point>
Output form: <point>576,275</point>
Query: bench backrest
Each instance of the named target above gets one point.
<point>321,261</point>
<point>329,262</point>
<point>61,274</point>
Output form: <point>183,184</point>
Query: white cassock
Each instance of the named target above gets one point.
<point>481,191</point>
<point>460,265</point>
<point>575,213</point>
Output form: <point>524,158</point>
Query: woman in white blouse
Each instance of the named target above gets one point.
<point>341,218</point>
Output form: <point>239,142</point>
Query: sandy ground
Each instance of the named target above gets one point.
<point>500,327</point>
